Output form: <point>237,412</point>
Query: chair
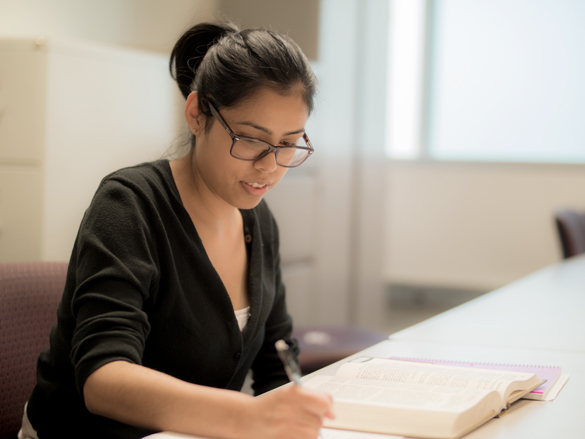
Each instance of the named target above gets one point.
<point>29,295</point>
<point>571,228</point>
<point>323,345</point>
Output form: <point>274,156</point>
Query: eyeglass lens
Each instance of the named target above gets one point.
<point>251,149</point>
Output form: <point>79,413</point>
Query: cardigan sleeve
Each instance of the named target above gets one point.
<point>115,269</point>
<point>268,371</point>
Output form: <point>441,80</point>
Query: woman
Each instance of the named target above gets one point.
<point>174,289</point>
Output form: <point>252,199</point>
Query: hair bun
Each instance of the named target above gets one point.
<point>190,50</point>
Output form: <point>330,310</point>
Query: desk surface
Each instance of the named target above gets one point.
<point>536,320</point>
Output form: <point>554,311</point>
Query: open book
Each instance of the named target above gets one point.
<point>555,380</point>
<point>418,399</point>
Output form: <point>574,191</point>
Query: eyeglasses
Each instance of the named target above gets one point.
<point>252,149</point>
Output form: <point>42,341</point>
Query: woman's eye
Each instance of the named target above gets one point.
<point>252,141</point>
<point>254,144</point>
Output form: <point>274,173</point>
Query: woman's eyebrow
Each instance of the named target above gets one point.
<point>266,130</point>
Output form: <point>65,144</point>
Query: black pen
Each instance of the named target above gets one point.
<point>290,365</point>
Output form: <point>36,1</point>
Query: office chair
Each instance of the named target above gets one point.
<point>571,228</point>
<point>323,345</point>
<point>29,295</point>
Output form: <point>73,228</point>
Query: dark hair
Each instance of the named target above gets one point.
<point>227,66</point>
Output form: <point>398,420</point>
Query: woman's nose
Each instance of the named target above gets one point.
<point>266,163</point>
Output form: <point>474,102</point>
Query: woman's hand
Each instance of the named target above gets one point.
<point>147,398</point>
<point>290,412</point>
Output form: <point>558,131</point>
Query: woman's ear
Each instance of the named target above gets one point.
<point>193,114</point>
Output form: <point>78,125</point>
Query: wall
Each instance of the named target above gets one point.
<point>474,226</point>
<point>462,225</point>
<point>95,108</point>
<point>317,280</point>
<point>298,19</point>
<point>504,82</point>
<point>152,25</point>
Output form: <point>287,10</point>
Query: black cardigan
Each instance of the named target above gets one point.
<point>141,288</point>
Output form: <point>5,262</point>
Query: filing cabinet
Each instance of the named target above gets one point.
<point>70,113</point>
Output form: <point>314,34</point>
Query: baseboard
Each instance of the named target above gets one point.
<point>414,296</point>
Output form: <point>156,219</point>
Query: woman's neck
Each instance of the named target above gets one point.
<point>205,207</point>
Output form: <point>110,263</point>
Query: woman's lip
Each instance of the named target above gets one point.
<point>255,191</point>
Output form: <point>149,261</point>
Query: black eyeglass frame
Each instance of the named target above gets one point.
<point>271,148</point>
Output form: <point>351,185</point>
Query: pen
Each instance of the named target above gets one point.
<point>290,365</point>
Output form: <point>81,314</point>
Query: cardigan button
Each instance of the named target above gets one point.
<point>248,238</point>
<point>237,356</point>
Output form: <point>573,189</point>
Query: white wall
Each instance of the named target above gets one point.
<point>447,224</point>
<point>474,225</point>
<point>151,25</point>
<point>325,298</point>
<point>505,82</point>
<point>99,105</point>
<point>329,208</point>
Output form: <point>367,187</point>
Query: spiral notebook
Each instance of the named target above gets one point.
<point>552,374</point>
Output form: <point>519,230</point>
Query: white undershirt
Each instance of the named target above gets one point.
<point>242,316</point>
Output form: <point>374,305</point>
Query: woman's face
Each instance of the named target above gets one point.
<point>268,116</point>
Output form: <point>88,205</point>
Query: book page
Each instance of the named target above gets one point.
<point>548,373</point>
<point>326,433</point>
<point>422,373</point>
<point>411,395</point>
<point>331,433</point>
<point>418,410</point>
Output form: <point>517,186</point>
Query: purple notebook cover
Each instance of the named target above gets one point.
<point>548,373</point>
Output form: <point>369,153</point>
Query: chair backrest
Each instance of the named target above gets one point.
<point>571,229</point>
<point>29,295</point>
<point>323,345</point>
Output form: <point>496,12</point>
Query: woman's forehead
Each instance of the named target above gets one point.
<point>269,111</point>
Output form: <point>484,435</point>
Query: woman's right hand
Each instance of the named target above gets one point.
<point>144,397</point>
<point>290,412</point>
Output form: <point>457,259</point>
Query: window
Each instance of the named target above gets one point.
<point>502,80</point>
<point>406,48</point>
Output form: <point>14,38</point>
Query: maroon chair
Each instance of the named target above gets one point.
<point>571,228</point>
<point>29,295</point>
<point>323,345</point>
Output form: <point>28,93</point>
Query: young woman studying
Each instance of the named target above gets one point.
<point>174,288</point>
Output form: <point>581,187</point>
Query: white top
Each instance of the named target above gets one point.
<point>242,316</point>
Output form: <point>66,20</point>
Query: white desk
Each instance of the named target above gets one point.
<point>537,320</point>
